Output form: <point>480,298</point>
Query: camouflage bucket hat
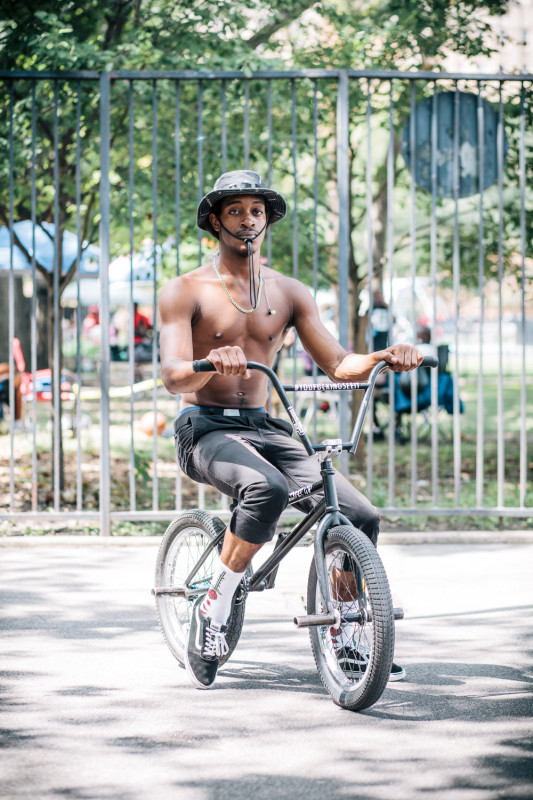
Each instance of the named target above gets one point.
<point>240,181</point>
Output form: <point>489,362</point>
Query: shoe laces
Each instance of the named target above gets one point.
<point>215,645</point>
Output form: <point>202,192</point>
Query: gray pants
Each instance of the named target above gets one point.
<point>254,459</point>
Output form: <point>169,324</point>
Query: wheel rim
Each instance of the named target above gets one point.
<point>184,552</point>
<point>349,651</point>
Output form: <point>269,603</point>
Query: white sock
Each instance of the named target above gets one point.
<point>217,602</point>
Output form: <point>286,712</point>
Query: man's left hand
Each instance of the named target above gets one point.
<point>401,357</point>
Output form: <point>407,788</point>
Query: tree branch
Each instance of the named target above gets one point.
<point>288,15</point>
<point>116,21</point>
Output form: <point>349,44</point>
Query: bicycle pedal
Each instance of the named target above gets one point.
<point>316,620</point>
<point>306,540</point>
<point>398,613</point>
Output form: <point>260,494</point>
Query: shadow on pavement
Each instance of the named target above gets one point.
<point>275,787</point>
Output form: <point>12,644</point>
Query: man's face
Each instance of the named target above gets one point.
<point>244,216</point>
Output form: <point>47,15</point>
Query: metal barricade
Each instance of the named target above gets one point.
<point>119,157</point>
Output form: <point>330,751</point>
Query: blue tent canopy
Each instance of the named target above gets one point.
<point>44,249</point>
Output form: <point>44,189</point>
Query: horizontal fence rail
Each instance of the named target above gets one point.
<point>408,217</point>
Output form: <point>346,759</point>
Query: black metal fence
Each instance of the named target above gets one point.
<point>414,186</point>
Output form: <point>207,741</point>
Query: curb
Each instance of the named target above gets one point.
<point>457,537</point>
<point>400,538</point>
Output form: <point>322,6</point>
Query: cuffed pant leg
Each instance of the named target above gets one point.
<point>359,510</point>
<point>230,463</point>
<point>301,469</point>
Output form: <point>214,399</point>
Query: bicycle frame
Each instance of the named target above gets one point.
<point>327,512</point>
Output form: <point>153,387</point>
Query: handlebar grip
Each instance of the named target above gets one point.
<point>430,361</point>
<point>203,366</point>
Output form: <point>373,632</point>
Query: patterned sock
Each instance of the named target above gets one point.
<point>217,602</point>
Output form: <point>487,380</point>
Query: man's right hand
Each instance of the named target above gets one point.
<point>229,361</point>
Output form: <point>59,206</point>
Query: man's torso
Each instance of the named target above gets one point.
<point>260,334</point>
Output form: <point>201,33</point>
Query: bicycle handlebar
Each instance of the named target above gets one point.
<point>203,365</point>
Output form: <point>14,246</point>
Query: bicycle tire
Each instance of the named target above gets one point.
<point>350,552</point>
<point>183,542</point>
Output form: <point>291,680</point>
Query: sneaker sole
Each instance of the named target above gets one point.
<point>397,676</point>
<point>192,676</point>
<point>190,672</point>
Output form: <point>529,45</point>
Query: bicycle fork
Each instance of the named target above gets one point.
<point>331,518</point>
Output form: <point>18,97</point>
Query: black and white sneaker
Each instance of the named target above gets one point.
<point>397,673</point>
<point>352,660</point>
<point>206,645</point>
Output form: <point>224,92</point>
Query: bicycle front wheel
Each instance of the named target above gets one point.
<point>184,543</point>
<point>355,660</point>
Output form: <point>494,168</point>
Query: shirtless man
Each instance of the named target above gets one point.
<point>230,311</point>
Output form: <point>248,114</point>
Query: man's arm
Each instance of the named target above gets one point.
<point>337,363</point>
<point>176,309</point>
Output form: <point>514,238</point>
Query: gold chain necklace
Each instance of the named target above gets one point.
<point>230,298</point>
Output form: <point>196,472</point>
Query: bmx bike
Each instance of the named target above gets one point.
<point>348,595</point>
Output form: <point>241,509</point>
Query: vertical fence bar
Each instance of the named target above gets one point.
<point>79,477</point>
<point>500,414</point>
<point>269,183</point>
<point>200,161</point>
<point>177,156</point>
<point>223,498</point>
<point>433,261</point>
<point>105,216</point>
<point>11,292</point>
<point>246,124</point>
<point>34,480</point>
<point>201,487</point>
<point>371,278</point>
<point>131,309</point>
<point>269,165</point>
<point>390,260</point>
<point>155,438</point>
<point>295,269</point>
<point>523,384</point>
<point>58,256</point>
<point>224,131</point>
<point>315,231</point>
<point>343,184</point>
<point>414,376</point>
<point>480,432</point>
<point>456,284</point>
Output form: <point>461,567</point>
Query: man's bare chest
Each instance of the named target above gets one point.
<point>228,326</point>
<point>218,321</point>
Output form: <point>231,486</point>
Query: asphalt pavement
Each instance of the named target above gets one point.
<point>94,706</point>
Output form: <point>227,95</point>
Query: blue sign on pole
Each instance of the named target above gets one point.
<point>469,162</point>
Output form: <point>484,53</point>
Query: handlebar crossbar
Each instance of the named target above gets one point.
<point>204,365</point>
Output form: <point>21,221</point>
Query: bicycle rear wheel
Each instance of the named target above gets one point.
<point>183,544</point>
<point>353,662</point>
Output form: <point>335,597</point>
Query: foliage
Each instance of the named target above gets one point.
<point>180,34</point>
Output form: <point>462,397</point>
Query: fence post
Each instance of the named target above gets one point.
<point>343,183</point>
<point>105,476</point>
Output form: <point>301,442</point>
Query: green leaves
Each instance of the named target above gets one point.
<point>109,35</point>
